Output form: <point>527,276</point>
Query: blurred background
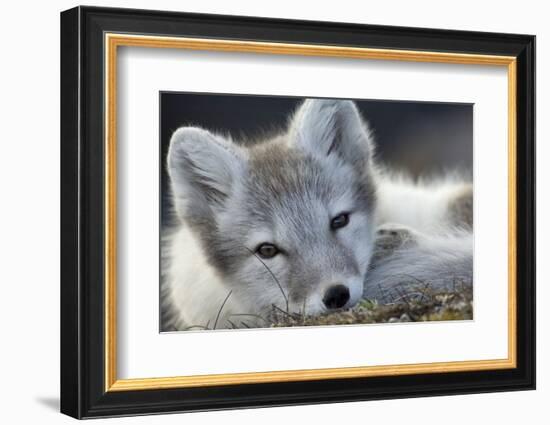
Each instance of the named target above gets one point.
<point>419,138</point>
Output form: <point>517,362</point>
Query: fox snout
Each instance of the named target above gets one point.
<point>336,296</point>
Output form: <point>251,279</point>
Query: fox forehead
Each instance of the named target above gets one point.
<point>287,178</point>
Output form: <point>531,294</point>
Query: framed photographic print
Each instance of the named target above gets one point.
<point>261,212</point>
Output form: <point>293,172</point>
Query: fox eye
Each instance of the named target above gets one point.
<point>341,220</point>
<point>267,250</point>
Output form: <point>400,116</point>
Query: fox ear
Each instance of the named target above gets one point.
<point>326,127</point>
<point>203,168</point>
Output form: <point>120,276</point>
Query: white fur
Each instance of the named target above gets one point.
<point>189,278</point>
<point>209,182</point>
<point>441,253</point>
<point>440,262</point>
<point>420,205</point>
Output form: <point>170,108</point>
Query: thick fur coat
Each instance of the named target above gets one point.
<point>303,222</point>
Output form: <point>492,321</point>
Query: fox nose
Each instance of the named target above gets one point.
<point>336,296</point>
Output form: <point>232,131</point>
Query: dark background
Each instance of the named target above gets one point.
<point>420,138</point>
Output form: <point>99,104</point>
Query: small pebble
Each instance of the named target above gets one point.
<point>405,318</point>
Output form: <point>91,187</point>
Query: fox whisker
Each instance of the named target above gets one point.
<point>221,308</point>
<point>271,273</point>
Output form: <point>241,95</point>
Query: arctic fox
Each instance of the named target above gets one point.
<point>305,222</point>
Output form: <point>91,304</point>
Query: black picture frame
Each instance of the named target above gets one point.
<point>83,392</point>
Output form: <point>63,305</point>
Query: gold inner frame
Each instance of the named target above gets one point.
<point>113,41</point>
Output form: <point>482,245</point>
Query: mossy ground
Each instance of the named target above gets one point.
<point>455,305</point>
<point>419,304</point>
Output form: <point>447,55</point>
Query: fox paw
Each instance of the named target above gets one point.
<point>390,237</point>
<point>394,235</point>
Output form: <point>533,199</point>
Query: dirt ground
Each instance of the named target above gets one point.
<point>456,305</point>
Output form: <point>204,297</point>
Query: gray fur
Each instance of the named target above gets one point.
<point>407,263</point>
<point>233,197</point>
<point>287,189</point>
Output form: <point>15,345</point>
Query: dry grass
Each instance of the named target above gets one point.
<point>456,305</point>
<point>418,304</point>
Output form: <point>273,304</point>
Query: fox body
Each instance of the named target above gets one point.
<point>303,222</point>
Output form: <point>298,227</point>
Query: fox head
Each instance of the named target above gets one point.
<point>286,222</point>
